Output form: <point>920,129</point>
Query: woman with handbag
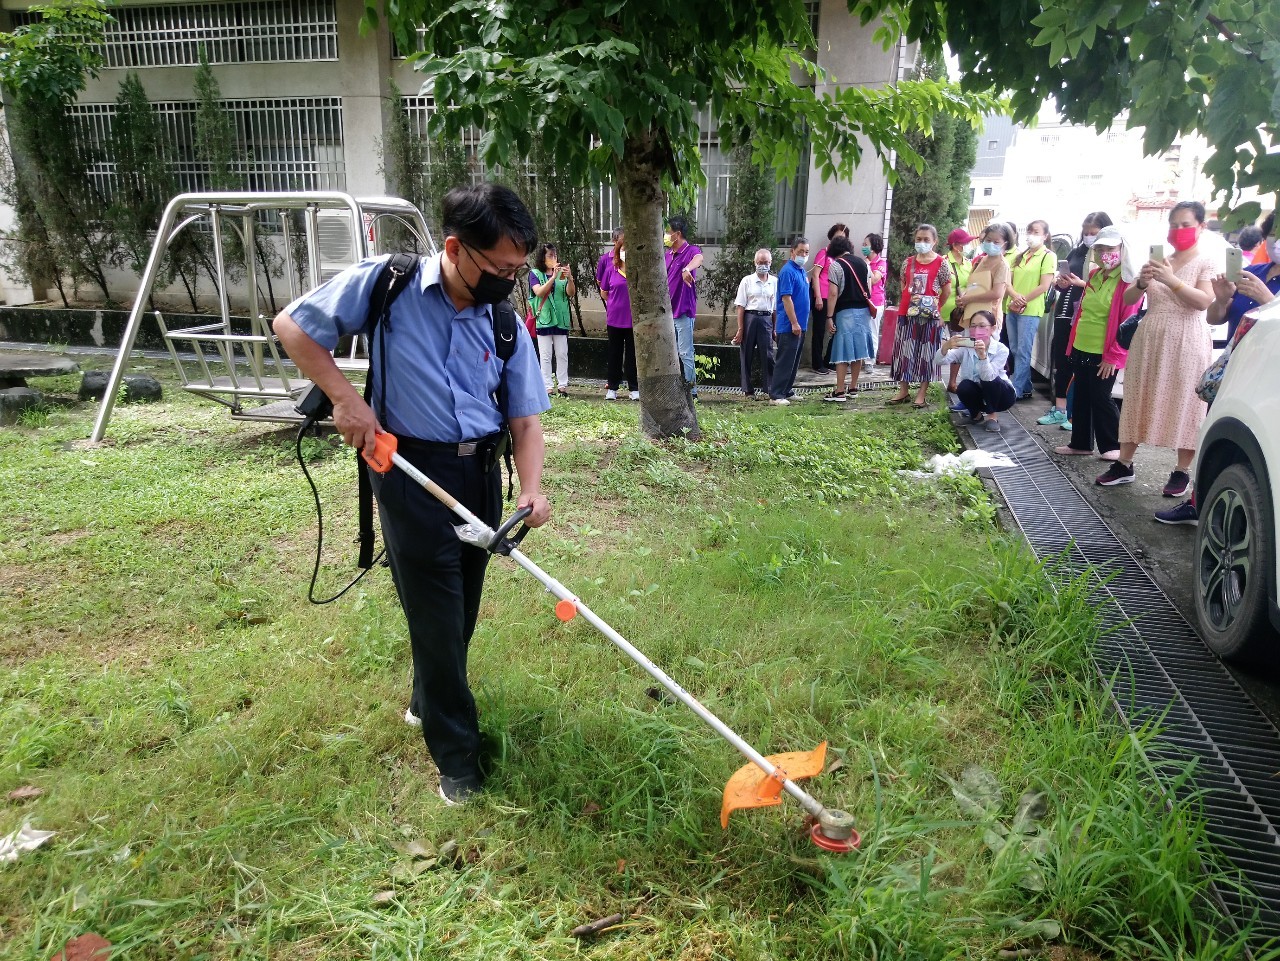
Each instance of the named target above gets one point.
<point>1095,356</point>
<point>989,279</point>
<point>848,315</point>
<point>926,285</point>
<point>1170,349</point>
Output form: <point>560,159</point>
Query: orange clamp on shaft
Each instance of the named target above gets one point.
<point>384,445</point>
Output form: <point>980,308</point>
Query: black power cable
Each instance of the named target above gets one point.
<point>315,407</point>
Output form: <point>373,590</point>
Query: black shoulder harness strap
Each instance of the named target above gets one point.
<point>396,275</point>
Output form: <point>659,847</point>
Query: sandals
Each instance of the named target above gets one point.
<point>897,400</point>
<point>919,406</point>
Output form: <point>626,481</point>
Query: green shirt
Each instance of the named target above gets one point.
<point>1095,311</point>
<point>960,271</point>
<point>1026,277</point>
<point>554,311</point>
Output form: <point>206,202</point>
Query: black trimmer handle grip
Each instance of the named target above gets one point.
<point>501,544</point>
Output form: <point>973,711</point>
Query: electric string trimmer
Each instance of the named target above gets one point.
<point>758,784</point>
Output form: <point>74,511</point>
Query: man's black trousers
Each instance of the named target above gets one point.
<point>757,340</point>
<point>439,580</point>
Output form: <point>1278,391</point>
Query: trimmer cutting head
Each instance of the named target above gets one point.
<point>752,787</point>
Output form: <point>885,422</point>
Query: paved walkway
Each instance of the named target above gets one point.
<point>1165,552</point>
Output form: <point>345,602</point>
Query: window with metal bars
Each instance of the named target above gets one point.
<point>290,143</point>
<point>713,196</point>
<point>171,35</point>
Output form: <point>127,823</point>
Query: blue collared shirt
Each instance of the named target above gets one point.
<point>442,367</point>
<point>793,283</point>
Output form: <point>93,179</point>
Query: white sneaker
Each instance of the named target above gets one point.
<point>610,395</point>
<point>635,395</point>
<point>781,402</point>
<point>412,719</point>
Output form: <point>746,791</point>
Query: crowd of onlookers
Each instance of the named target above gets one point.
<point>968,315</point>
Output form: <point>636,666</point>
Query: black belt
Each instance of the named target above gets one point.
<point>761,313</point>
<point>466,448</point>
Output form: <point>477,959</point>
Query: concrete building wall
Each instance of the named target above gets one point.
<point>849,53</point>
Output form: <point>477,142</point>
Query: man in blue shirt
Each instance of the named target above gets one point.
<point>434,374</point>
<point>793,317</point>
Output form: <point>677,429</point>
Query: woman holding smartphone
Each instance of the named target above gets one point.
<point>552,286</point>
<point>984,387</point>
<point>1170,351</point>
<point>1093,353</point>
<point>1070,284</point>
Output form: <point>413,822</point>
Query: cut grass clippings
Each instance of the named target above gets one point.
<point>229,777</point>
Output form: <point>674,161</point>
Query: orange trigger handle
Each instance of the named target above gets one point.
<point>384,445</point>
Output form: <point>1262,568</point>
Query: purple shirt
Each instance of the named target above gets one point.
<point>602,264</point>
<point>684,297</point>
<point>617,306</point>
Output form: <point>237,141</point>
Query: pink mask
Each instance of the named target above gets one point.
<point>1111,259</point>
<point>980,333</point>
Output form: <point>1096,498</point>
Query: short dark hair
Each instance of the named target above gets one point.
<point>929,227</point>
<point>481,215</point>
<point>839,246</point>
<point>1268,224</point>
<point>876,243</point>
<point>1249,238</point>
<point>540,259</point>
<point>836,229</point>
<point>986,315</point>
<point>798,240</point>
<point>679,225</point>
<point>1195,206</point>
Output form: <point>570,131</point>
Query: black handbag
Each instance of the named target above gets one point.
<point>1125,332</point>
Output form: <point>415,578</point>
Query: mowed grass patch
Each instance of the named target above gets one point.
<point>229,776</point>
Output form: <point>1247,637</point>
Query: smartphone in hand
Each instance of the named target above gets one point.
<point>1064,268</point>
<point>965,342</point>
<point>1235,264</point>
<point>1157,252</point>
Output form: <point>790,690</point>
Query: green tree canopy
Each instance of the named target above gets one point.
<point>1175,66</point>
<point>614,87</point>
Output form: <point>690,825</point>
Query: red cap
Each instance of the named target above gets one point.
<point>958,236</point>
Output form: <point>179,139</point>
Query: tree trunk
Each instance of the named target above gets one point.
<point>666,406</point>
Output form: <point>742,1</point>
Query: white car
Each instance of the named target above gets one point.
<point>1237,484</point>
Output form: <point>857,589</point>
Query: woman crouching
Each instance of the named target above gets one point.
<point>984,387</point>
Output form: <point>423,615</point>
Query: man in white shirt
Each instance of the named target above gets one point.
<point>756,303</point>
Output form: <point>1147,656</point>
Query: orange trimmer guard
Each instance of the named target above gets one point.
<point>751,787</point>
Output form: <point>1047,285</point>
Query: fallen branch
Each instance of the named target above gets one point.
<point>595,927</point>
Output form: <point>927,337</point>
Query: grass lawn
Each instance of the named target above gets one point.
<point>229,776</point>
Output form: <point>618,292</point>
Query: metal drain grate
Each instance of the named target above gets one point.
<point>1160,670</point>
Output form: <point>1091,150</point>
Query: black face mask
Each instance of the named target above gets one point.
<point>490,288</point>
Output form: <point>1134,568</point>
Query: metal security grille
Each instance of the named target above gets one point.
<point>1160,672</point>
<point>713,196</point>
<point>287,144</point>
<point>172,35</point>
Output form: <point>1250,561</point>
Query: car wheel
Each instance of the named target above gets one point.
<point>1234,553</point>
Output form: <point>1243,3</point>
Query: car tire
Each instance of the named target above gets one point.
<point>1235,549</point>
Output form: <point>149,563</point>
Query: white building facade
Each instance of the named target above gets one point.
<point>309,95</point>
